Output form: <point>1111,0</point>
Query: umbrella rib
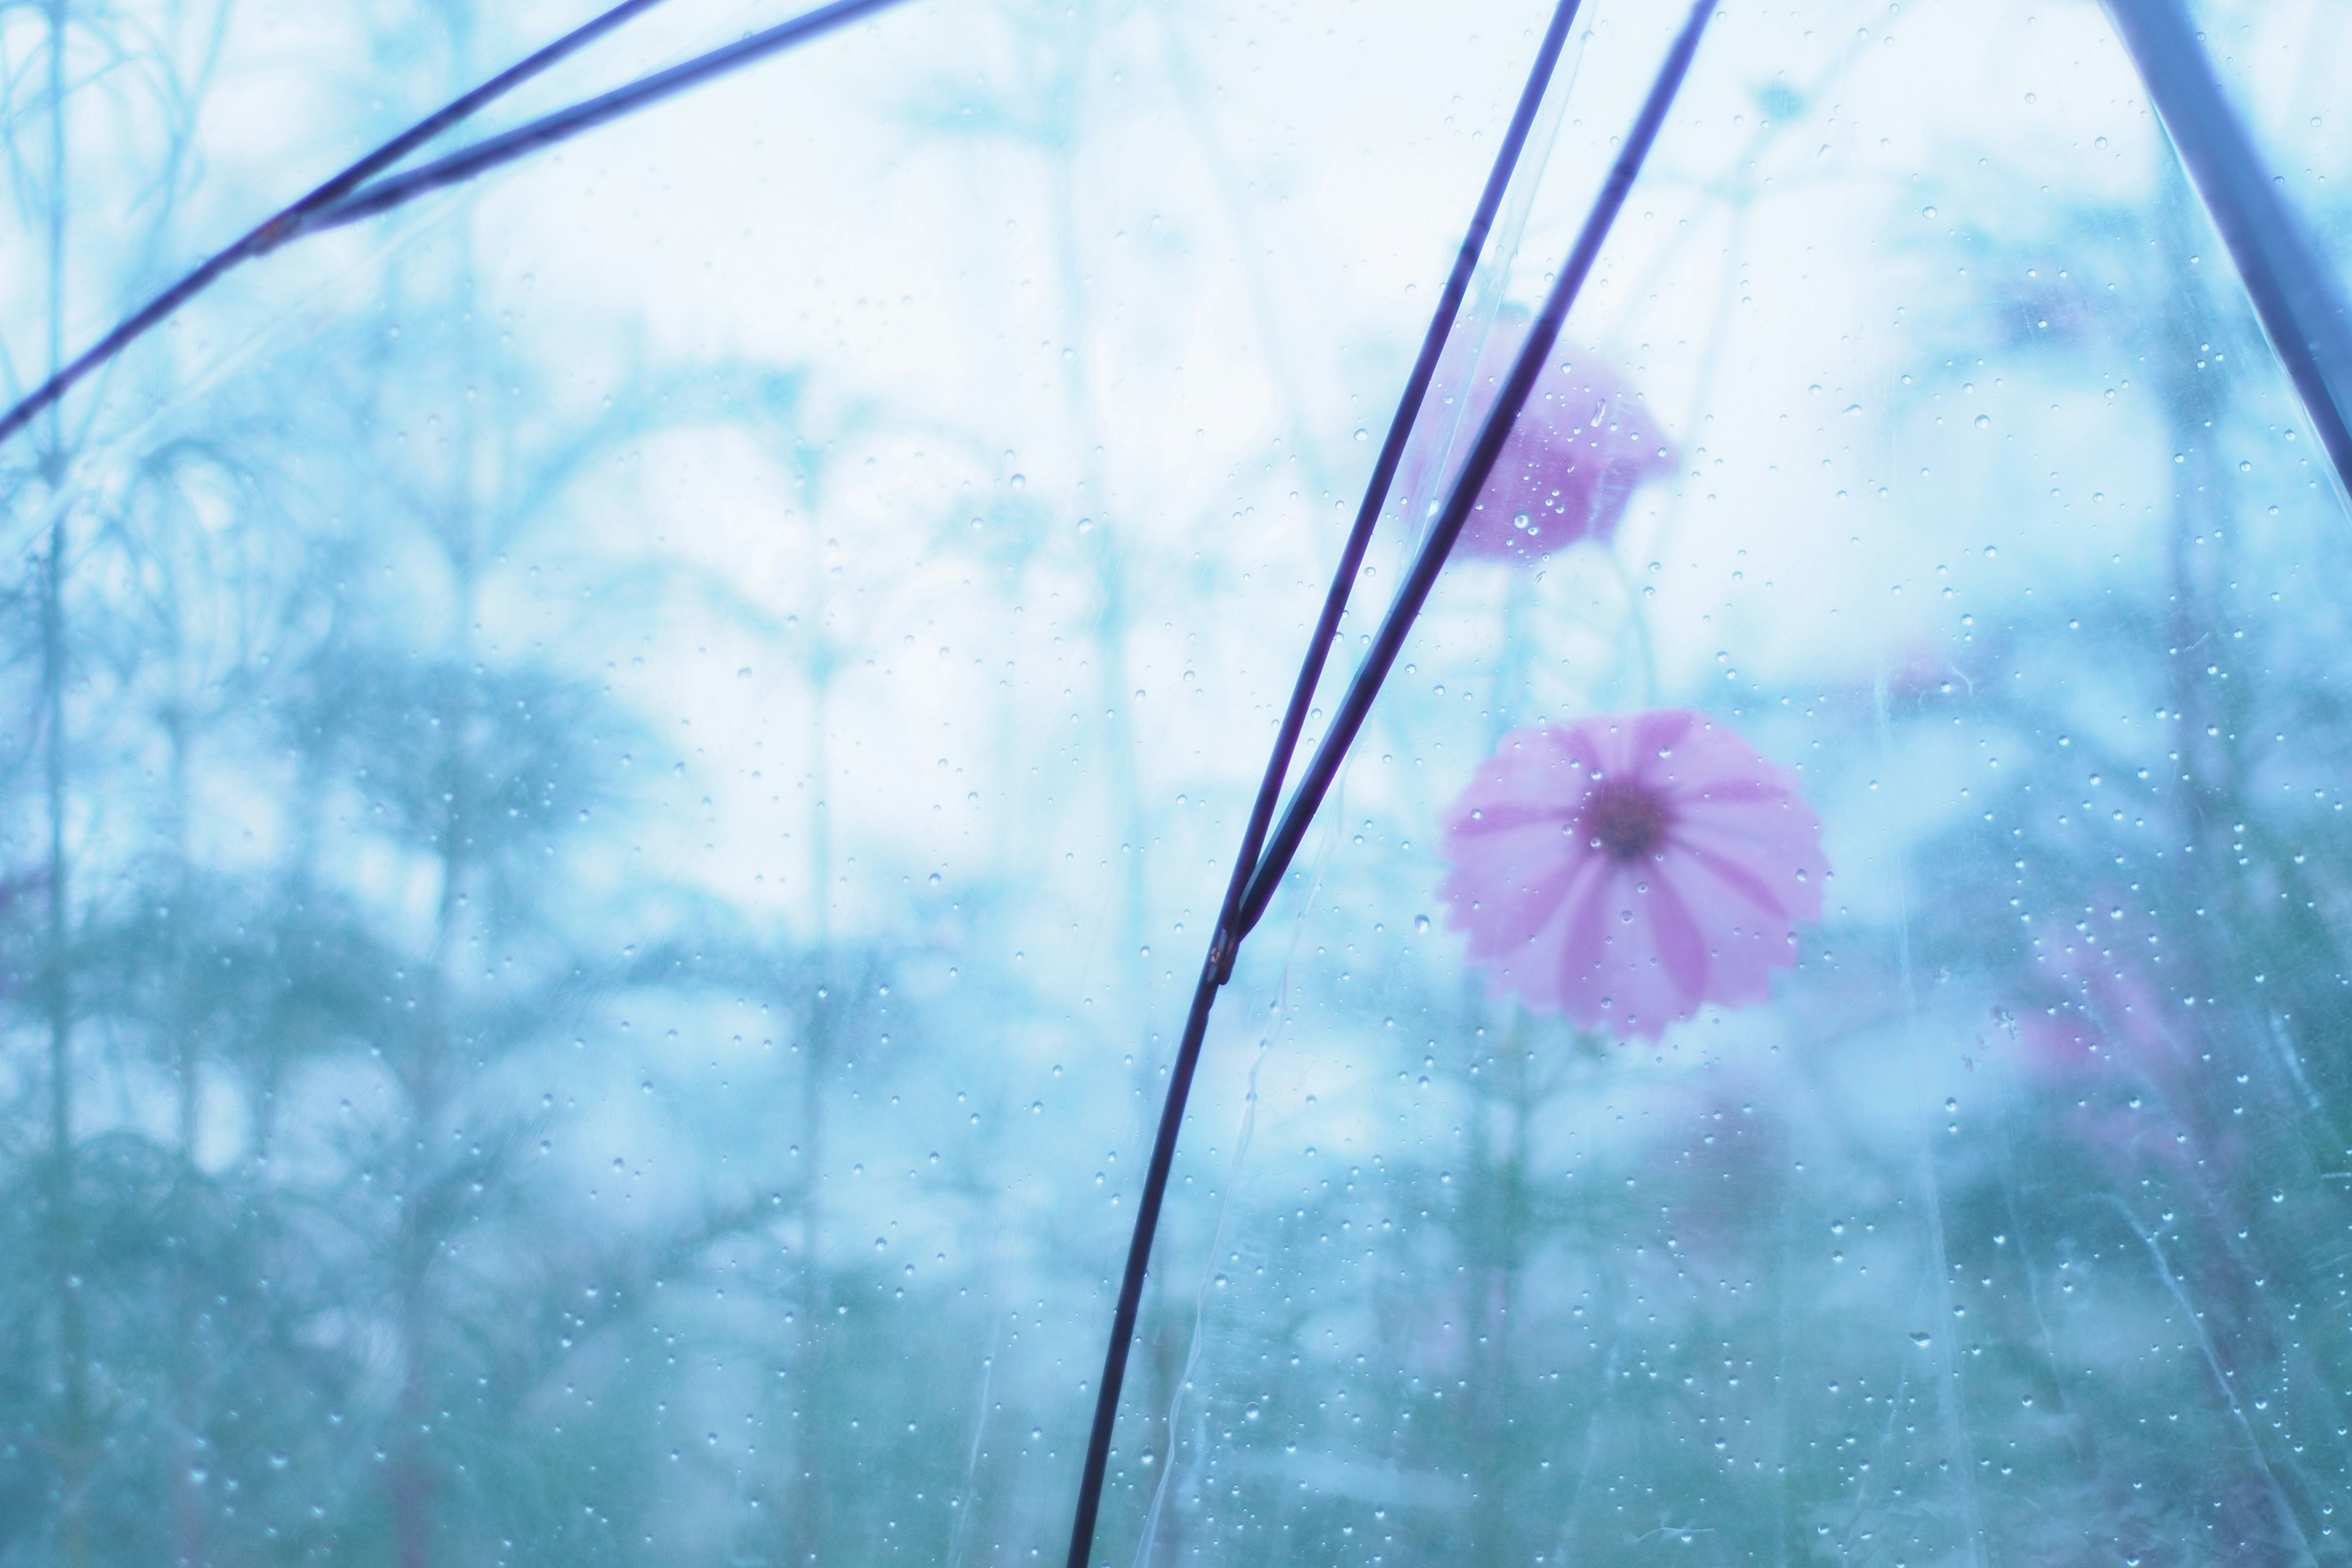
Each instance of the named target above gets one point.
<point>2297,298</point>
<point>1254,875</point>
<point>348,197</point>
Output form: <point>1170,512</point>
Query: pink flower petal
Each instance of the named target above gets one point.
<point>1662,730</point>
<point>1734,879</point>
<point>1674,930</point>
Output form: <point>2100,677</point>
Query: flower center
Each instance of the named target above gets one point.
<point>1626,821</point>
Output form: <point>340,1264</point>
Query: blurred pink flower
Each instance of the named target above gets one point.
<point>1631,868</point>
<point>2099,967</point>
<point>1579,447</point>
<point>2122,1068</point>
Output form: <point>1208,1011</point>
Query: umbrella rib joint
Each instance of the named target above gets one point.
<point>1255,876</point>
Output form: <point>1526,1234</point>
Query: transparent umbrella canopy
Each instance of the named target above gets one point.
<point>964,783</point>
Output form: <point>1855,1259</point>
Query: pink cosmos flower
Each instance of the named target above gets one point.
<point>1579,447</point>
<point>1629,869</point>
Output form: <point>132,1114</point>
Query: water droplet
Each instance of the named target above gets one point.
<point>1922,1339</point>
<point>1362,434</point>
<point>1984,421</point>
<point>1420,922</point>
